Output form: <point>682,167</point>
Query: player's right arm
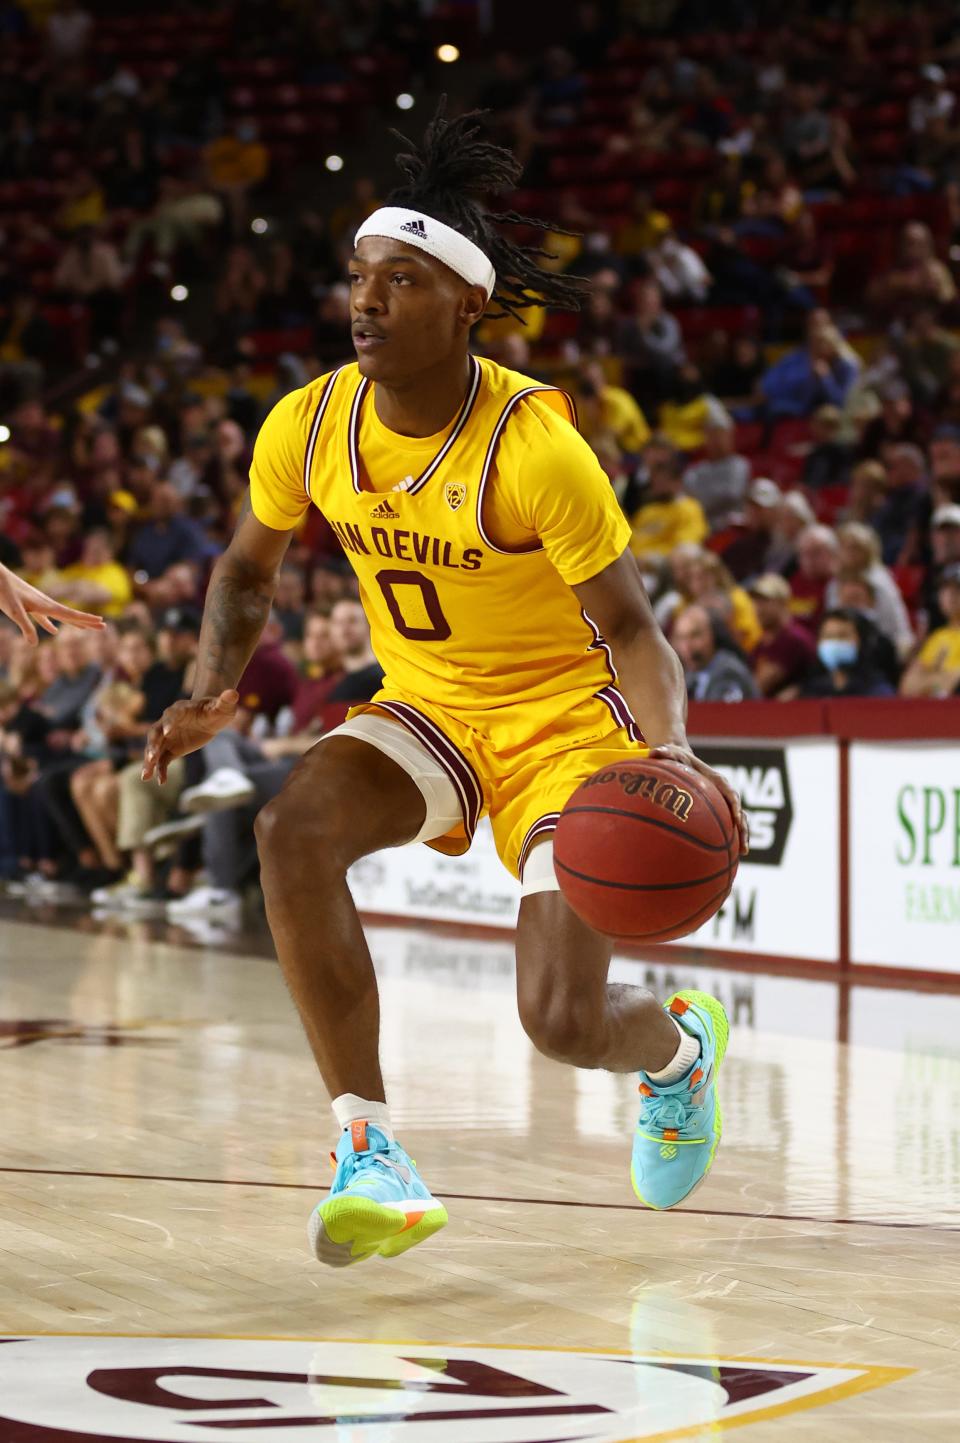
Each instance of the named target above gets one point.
<point>241,591</point>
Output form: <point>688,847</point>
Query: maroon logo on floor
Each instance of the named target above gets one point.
<point>23,1031</point>
<point>155,1390</point>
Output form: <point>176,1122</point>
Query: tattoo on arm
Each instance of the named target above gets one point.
<point>236,611</point>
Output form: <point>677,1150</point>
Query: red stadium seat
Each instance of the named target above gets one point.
<point>910,581</point>
<point>698,321</point>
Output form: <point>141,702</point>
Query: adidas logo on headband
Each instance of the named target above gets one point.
<point>441,241</point>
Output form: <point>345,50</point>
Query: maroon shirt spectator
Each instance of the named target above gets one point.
<point>746,555</point>
<point>270,680</point>
<point>786,650</point>
<point>818,557</point>
<point>322,671</point>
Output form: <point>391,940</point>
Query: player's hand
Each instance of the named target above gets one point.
<point>185,727</point>
<point>686,758</point>
<point>23,602</point>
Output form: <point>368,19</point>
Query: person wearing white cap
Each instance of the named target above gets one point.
<point>933,100</point>
<point>944,552</point>
<point>935,670</point>
<point>518,646</point>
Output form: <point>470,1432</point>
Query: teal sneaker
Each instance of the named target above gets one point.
<point>679,1126</point>
<point>377,1204</point>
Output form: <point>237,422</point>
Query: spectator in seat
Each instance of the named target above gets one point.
<point>719,480</point>
<point>123,708</point>
<point>828,461</point>
<point>645,227</point>
<point>288,602</point>
<point>821,372</point>
<point>243,773</point>
<point>320,671</point>
<point>933,101</point>
<point>805,262</point>
<point>167,538</point>
<point>236,164</point>
<point>689,409</point>
<point>90,271</point>
<point>350,635</point>
<point>97,582</point>
<point>748,554</point>
<point>786,650</point>
<point>868,487</point>
<point>895,424</point>
<point>855,591</point>
<point>925,351</point>
<point>69,32</point>
<point>944,552</point>
<point>936,669</point>
<point>905,496</point>
<point>860,552</point>
<point>711,665</point>
<point>734,373</point>
<point>666,516</point>
<point>712,586</point>
<point>142,805</point>
<point>846,661</point>
<point>917,279</point>
<point>818,559</point>
<point>269,682</point>
<point>682,275</point>
<point>650,342</point>
<point>677,577</point>
<point>607,408</point>
<point>816,142</point>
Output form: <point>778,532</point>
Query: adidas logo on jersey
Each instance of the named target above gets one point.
<point>384,512</point>
<point>416,227</point>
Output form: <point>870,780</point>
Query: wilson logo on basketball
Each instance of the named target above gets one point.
<point>668,795</point>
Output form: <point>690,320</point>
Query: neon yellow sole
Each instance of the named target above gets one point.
<point>349,1229</point>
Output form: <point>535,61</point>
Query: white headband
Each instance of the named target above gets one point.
<point>438,240</point>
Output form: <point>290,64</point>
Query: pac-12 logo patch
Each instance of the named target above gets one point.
<point>455,493</point>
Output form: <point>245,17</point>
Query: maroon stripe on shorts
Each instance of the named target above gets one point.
<point>461,773</point>
<point>541,827</point>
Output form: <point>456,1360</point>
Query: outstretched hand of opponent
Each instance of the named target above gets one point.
<point>28,608</point>
<point>687,758</point>
<point>186,727</point>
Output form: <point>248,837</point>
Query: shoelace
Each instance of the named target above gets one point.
<point>357,1162</point>
<point>666,1113</point>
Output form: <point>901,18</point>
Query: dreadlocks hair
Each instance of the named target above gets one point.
<point>448,174</point>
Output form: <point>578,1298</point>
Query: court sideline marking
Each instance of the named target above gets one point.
<point>483,1197</point>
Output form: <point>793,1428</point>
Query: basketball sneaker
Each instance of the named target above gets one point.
<point>378,1203</point>
<point>679,1126</point>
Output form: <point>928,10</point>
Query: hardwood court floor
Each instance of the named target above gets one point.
<point>164,1139</point>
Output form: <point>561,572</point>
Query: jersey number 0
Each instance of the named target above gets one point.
<point>414,605</point>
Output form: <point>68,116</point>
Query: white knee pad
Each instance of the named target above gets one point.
<point>444,812</point>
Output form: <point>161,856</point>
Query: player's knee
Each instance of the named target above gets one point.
<point>297,832</point>
<point>560,1022</point>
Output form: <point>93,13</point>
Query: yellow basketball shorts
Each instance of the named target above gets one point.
<point>522,786</point>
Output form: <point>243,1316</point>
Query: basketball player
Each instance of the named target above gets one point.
<point>520,653</point>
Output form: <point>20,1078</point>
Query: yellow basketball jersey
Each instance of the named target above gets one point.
<point>465,544</point>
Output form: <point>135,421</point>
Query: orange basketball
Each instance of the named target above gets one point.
<point>646,850</point>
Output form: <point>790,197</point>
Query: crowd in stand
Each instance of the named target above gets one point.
<point>781,430</point>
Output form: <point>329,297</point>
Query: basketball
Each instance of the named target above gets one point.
<point>646,850</point>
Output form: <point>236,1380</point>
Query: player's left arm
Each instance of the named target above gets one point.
<point>648,669</point>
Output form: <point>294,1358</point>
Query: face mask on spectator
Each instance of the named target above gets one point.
<point>835,652</point>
